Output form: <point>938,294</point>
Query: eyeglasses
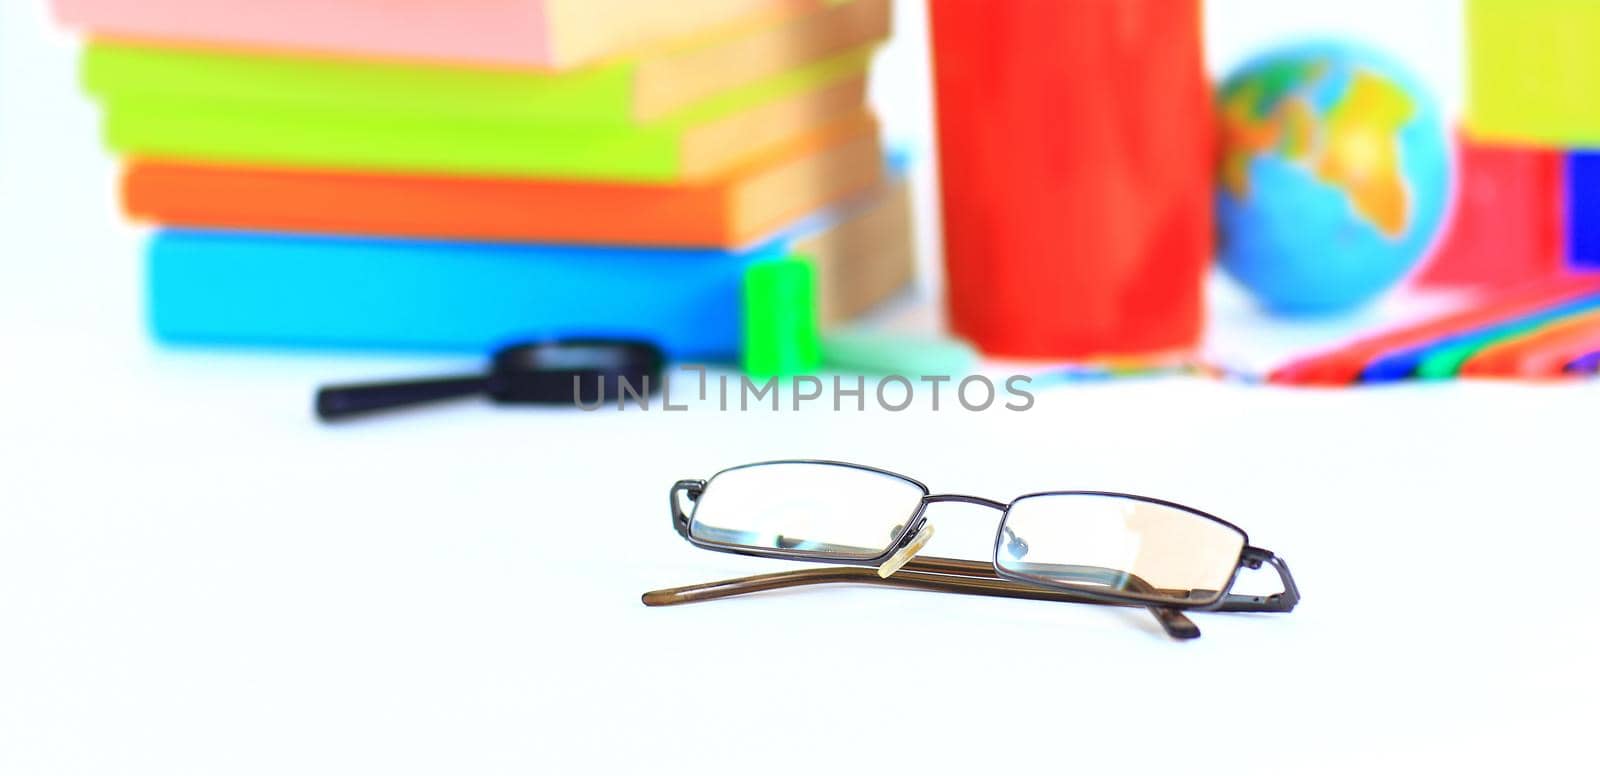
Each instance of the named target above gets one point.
<point>1074,546</point>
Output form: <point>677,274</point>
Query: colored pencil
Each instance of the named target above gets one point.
<point>1345,364</point>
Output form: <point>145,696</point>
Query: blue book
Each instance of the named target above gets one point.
<point>306,291</point>
<point>1583,210</point>
<point>239,288</point>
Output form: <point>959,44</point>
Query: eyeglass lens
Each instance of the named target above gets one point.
<point>1118,544</point>
<point>806,508</point>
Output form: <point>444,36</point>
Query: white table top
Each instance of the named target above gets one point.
<point>196,578</point>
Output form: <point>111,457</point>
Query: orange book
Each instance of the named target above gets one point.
<point>824,167</point>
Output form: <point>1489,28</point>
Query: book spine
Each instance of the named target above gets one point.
<point>302,291</point>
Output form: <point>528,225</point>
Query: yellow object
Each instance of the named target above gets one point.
<point>1366,160</point>
<point>900,558</point>
<point>153,117</point>
<point>1533,70</point>
<point>645,88</point>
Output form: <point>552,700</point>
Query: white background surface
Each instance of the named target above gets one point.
<point>195,578</point>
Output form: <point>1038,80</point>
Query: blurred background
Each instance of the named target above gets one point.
<point>789,181</point>
<point>1426,38</point>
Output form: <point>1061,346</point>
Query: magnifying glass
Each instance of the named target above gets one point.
<point>565,371</point>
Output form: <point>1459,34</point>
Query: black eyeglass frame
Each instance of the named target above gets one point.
<point>1250,557</point>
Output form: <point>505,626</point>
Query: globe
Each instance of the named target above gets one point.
<point>1334,178</point>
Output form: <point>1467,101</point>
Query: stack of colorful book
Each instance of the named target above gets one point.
<point>1529,154</point>
<point>438,174</point>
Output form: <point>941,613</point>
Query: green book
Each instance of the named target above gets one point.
<point>149,113</point>
<point>644,87</point>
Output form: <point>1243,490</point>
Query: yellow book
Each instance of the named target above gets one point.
<point>646,87</point>
<point>701,142</point>
<point>1533,71</point>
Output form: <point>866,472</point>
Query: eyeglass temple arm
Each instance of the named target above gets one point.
<point>1253,558</point>
<point>940,575</point>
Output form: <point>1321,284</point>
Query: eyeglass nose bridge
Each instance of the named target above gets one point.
<point>915,536</point>
<point>909,534</point>
<point>1014,541</point>
<point>962,498</point>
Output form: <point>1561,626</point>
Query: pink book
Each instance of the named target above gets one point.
<point>550,34</point>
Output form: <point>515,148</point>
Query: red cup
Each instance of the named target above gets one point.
<point>1075,141</point>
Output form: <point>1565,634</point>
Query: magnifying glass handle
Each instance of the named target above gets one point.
<point>340,401</point>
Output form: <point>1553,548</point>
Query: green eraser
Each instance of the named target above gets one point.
<point>910,355</point>
<point>781,336</point>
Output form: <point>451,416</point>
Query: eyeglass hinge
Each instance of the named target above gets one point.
<point>691,489</point>
<point>1253,557</point>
